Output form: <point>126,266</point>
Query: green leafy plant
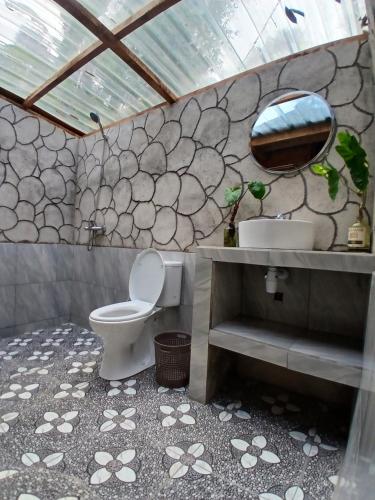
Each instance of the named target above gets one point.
<point>233,196</point>
<point>355,159</point>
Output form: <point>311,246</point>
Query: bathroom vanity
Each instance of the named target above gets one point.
<point>314,325</point>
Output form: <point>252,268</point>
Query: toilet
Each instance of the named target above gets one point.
<point>154,284</point>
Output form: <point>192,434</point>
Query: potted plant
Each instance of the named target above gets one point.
<point>355,159</point>
<point>233,196</point>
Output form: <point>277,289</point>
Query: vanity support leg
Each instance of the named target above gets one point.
<point>199,388</point>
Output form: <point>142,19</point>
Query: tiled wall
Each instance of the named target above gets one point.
<point>37,178</point>
<point>325,301</point>
<point>35,286</point>
<point>41,285</point>
<point>165,172</point>
<point>102,276</point>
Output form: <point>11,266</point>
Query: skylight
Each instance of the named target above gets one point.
<point>66,58</point>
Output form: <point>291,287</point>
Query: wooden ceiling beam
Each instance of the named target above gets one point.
<point>110,40</point>
<point>142,16</point>
<point>71,67</point>
<point>18,101</point>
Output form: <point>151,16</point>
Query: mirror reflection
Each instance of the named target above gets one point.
<point>293,131</point>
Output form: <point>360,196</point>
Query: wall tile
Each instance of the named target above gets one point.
<point>338,302</point>
<point>7,306</point>
<point>35,264</point>
<point>8,259</point>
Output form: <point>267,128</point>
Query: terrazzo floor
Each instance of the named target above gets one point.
<point>65,433</point>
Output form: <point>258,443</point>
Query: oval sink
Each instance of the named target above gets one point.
<point>276,233</point>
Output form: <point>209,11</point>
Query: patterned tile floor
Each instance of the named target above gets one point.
<point>67,434</point>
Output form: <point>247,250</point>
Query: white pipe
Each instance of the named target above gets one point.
<point>272,277</point>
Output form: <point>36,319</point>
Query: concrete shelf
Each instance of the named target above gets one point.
<point>306,259</point>
<point>328,356</point>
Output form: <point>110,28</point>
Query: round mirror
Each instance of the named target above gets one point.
<point>293,131</point>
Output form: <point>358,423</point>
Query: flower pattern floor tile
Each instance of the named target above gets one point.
<point>67,434</point>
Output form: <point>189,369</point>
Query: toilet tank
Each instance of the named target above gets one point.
<point>171,293</point>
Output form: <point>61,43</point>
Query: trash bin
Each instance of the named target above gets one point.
<point>172,359</point>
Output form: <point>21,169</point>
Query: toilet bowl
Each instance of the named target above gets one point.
<point>128,345</point>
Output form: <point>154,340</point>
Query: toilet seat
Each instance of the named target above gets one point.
<point>146,283</point>
<point>122,311</point>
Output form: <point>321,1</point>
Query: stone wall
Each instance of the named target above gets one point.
<point>165,171</point>
<point>37,178</point>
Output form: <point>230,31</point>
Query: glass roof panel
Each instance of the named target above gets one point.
<point>200,42</point>
<point>105,85</point>
<point>37,37</point>
<point>113,12</point>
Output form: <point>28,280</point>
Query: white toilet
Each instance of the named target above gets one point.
<point>128,346</point>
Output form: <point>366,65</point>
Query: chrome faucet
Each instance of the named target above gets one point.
<point>281,216</point>
<point>93,229</point>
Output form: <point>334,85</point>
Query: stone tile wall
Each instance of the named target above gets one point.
<point>165,171</point>
<point>37,178</point>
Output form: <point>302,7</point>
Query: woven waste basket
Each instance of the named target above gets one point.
<point>172,359</point>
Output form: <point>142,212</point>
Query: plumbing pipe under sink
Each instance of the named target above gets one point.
<point>273,275</point>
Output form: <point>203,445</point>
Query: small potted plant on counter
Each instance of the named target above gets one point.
<point>355,158</point>
<point>233,196</point>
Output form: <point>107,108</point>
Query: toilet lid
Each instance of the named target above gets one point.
<point>147,276</point>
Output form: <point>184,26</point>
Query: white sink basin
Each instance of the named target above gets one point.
<point>276,233</point>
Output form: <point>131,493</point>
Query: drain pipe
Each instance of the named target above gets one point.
<point>273,275</point>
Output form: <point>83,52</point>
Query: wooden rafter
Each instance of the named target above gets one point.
<point>16,99</point>
<point>142,16</point>
<point>111,40</point>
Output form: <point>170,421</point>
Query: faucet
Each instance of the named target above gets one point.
<point>281,216</point>
<point>93,229</point>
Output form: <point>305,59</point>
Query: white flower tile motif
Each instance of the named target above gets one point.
<point>180,416</point>
<point>253,450</point>
<point>19,342</point>
<point>280,404</point>
<point>64,424</point>
<point>18,391</point>
<point>77,391</point>
<point>229,410</point>
<point>57,331</point>
<point>8,355</point>
<point>84,342</point>
<point>52,342</point>
<point>164,390</point>
<point>36,370</point>
<point>310,442</point>
<point>35,333</point>
<point>79,367</point>
<point>41,356</point>
<point>118,420</point>
<point>4,474</point>
<point>284,493</point>
<point>128,387</point>
<point>187,460</point>
<point>29,496</point>
<point>120,466</point>
<point>7,420</point>
<point>84,353</point>
<point>43,459</point>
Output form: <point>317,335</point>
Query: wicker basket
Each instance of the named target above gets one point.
<point>172,358</point>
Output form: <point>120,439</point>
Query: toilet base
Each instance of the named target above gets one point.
<point>124,363</point>
<point>122,359</point>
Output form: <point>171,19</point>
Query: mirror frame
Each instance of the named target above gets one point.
<point>316,158</point>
